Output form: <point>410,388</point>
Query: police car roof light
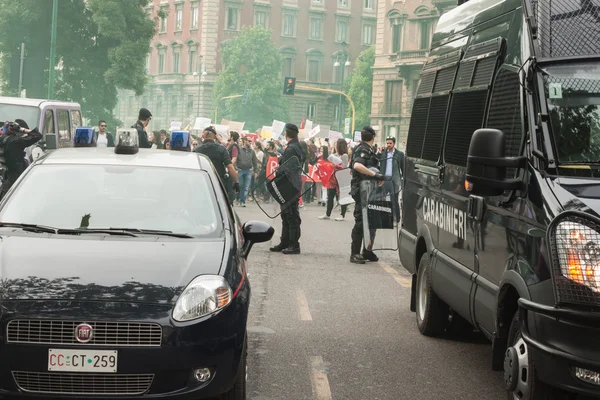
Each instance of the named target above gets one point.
<point>127,141</point>
<point>180,139</point>
<point>84,135</point>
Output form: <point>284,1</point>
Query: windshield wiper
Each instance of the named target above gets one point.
<point>29,227</point>
<point>153,232</point>
<point>80,231</point>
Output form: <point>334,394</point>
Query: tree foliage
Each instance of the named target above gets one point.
<point>251,61</point>
<point>101,46</point>
<point>360,87</point>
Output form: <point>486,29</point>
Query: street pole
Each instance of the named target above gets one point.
<point>21,68</point>
<point>52,50</point>
<point>343,68</point>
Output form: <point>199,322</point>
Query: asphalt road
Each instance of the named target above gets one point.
<point>322,328</point>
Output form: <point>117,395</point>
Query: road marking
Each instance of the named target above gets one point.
<point>320,383</point>
<point>404,282</point>
<point>303,306</point>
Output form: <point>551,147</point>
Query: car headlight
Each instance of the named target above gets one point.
<point>578,248</point>
<point>203,296</point>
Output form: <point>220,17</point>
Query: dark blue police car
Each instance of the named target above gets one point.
<point>123,275</point>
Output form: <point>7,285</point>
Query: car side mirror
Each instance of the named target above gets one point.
<point>50,141</point>
<point>255,232</point>
<point>487,164</point>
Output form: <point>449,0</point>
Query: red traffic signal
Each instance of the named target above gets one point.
<point>289,86</point>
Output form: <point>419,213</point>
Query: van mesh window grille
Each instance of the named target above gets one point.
<point>450,58</point>
<point>466,116</point>
<point>427,81</point>
<point>505,112</point>
<point>418,123</point>
<point>575,248</point>
<point>484,71</point>
<point>490,46</point>
<point>567,27</point>
<point>465,74</point>
<point>435,127</point>
<point>445,80</point>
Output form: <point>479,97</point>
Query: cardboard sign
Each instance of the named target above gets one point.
<point>334,136</point>
<point>175,125</point>
<point>357,136</point>
<point>277,128</point>
<point>201,123</point>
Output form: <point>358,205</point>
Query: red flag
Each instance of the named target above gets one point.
<point>302,124</point>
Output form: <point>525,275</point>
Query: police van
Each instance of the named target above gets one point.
<point>502,190</point>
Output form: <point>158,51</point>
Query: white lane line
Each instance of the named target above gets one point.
<point>303,306</point>
<point>404,282</point>
<point>320,383</point>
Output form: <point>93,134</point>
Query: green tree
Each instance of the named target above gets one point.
<point>101,46</point>
<point>252,62</point>
<point>360,87</point>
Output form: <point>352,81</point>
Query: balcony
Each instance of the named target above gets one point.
<point>399,109</point>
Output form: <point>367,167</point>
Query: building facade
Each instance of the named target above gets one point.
<point>404,33</point>
<point>313,36</point>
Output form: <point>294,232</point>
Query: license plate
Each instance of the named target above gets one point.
<point>82,360</point>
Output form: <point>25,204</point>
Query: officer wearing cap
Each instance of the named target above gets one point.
<point>363,158</point>
<point>219,156</point>
<point>144,117</point>
<point>290,213</point>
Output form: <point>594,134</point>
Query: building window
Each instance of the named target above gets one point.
<point>425,35</point>
<point>287,65</point>
<point>341,31</point>
<point>311,111</point>
<point>176,62</point>
<point>289,25</point>
<point>369,4</point>
<point>189,105</point>
<point>260,18</point>
<point>396,38</point>
<point>368,34</point>
<point>195,16</point>
<point>161,63</point>
<point>316,28</point>
<point>174,105</point>
<point>336,113</point>
<point>313,71</point>
<point>178,20</point>
<point>317,2</point>
<point>393,97</point>
<point>233,18</point>
<point>163,22</point>
<point>343,3</point>
<point>159,105</point>
<point>192,61</point>
<point>148,61</point>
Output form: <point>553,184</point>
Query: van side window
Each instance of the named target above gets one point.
<point>470,96</point>
<point>505,111</point>
<point>75,120</point>
<point>64,127</point>
<point>48,122</point>
<point>431,106</point>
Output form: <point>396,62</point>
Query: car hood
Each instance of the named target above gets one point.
<point>86,268</point>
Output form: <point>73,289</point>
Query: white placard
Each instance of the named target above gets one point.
<point>334,136</point>
<point>201,123</point>
<point>357,136</point>
<point>277,128</point>
<point>308,125</point>
<point>175,125</point>
<point>314,131</point>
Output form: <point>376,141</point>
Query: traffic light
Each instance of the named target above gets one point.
<point>289,86</point>
<point>245,96</point>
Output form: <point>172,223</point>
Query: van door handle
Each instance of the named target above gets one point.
<point>441,171</point>
<point>476,207</point>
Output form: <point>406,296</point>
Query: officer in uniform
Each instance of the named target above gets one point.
<point>219,156</point>
<point>363,158</point>
<point>290,213</point>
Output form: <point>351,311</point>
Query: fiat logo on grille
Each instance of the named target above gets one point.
<point>83,333</point>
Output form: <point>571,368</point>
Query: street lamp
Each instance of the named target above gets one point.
<point>337,65</point>
<point>199,75</point>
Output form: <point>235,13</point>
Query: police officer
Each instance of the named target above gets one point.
<point>290,212</point>
<point>363,158</point>
<point>13,144</point>
<point>219,156</point>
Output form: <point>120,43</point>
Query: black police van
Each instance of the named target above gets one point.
<point>502,190</point>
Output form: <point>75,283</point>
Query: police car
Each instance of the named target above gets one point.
<point>123,274</point>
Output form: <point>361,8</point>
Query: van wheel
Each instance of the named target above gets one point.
<point>238,391</point>
<point>520,376</point>
<point>432,312</point>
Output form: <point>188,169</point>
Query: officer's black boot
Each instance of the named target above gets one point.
<point>279,248</point>
<point>357,259</point>
<point>292,249</point>
<point>369,256</point>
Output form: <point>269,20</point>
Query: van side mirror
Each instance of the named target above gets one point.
<point>255,232</point>
<point>50,141</point>
<point>487,164</point>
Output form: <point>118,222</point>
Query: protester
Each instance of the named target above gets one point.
<point>144,117</point>
<point>290,212</point>
<point>247,165</point>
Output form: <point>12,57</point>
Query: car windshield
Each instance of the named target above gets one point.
<point>29,114</point>
<point>573,93</point>
<point>104,197</point>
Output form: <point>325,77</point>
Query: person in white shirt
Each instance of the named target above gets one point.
<point>103,138</point>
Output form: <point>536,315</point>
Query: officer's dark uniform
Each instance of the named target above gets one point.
<point>218,155</point>
<point>290,213</point>
<point>363,154</point>
<point>13,147</point>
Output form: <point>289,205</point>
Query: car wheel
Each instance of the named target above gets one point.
<point>238,391</point>
<point>520,375</point>
<point>432,312</point>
